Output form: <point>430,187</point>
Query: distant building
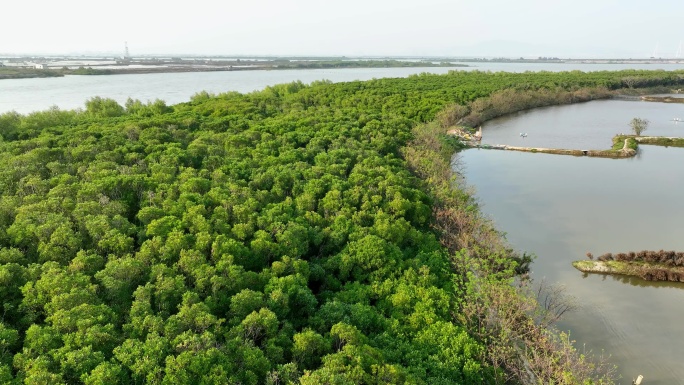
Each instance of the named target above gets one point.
<point>40,66</point>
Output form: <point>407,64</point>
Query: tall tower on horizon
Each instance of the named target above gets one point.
<point>679,50</point>
<point>127,55</point>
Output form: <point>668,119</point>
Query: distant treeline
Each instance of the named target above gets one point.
<point>18,73</point>
<point>651,265</point>
<point>87,71</point>
<point>359,64</point>
<point>15,73</point>
<point>667,258</point>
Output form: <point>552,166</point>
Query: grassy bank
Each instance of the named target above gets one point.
<point>660,141</point>
<point>626,146</point>
<point>521,345</point>
<point>622,148</point>
<point>480,253</point>
<point>643,270</point>
<point>280,64</point>
<point>650,265</point>
<point>460,118</point>
<point>510,100</point>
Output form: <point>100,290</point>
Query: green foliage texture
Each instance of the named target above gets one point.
<point>273,237</point>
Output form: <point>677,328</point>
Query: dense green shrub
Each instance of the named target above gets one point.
<point>261,238</point>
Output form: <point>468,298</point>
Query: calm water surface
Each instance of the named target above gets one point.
<point>561,207</point>
<point>69,92</point>
<point>27,95</point>
<point>583,126</point>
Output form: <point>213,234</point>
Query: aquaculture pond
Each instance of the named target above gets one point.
<point>561,207</point>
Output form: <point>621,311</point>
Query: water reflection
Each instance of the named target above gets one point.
<point>636,281</point>
<point>583,126</point>
<point>561,207</point>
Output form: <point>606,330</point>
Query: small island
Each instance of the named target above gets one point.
<point>649,265</point>
<point>662,99</point>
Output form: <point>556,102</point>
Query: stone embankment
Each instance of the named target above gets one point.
<point>628,149</point>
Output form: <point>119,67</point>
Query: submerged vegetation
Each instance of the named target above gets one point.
<point>299,234</point>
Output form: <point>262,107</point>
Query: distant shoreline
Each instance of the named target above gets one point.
<point>643,270</point>
<point>21,73</point>
<point>543,60</point>
<point>20,68</point>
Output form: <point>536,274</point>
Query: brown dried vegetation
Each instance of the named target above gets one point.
<point>661,265</point>
<point>510,100</point>
<point>514,323</point>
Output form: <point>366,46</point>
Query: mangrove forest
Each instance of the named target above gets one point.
<point>302,234</point>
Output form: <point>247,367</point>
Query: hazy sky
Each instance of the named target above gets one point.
<point>530,28</point>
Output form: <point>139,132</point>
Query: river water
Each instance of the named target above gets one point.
<point>69,92</point>
<point>561,207</point>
